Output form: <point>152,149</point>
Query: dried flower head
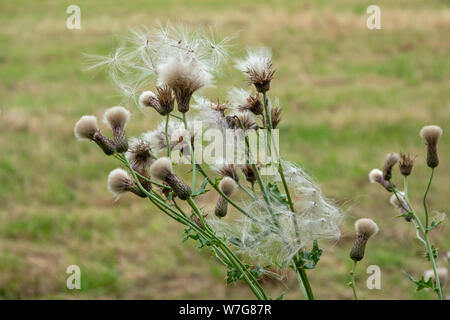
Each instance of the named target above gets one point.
<point>258,68</point>
<point>140,157</point>
<point>276,116</point>
<point>228,186</point>
<point>120,182</point>
<point>391,159</point>
<point>249,174</point>
<point>117,118</point>
<point>406,164</point>
<point>365,228</point>
<point>228,170</point>
<point>184,77</point>
<point>431,135</point>
<point>252,104</point>
<point>442,274</point>
<point>162,102</point>
<point>376,175</point>
<point>162,170</point>
<point>242,120</point>
<point>87,129</point>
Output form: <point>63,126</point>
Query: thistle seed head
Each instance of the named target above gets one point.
<point>221,208</point>
<point>242,120</point>
<point>376,175</point>
<point>258,68</point>
<point>86,127</point>
<point>431,135</point>
<point>406,164</point>
<point>252,104</point>
<point>184,77</point>
<point>399,202</point>
<point>166,99</point>
<point>116,117</point>
<point>391,159</point>
<point>366,227</point>
<point>140,155</point>
<point>228,186</point>
<point>149,99</point>
<point>249,174</point>
<point>120,182</point>
<point>228,170</point>
<point>161,168</point>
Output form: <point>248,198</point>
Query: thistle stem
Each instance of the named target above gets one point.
<point>191,150</point>
<point>167,135</point>
<point>352,277</point>
<point>425,200</point>
<point>426,240</point>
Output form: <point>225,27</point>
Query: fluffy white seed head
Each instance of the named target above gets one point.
<point>375,175</point>
<point>116,117</point>
<point>431,134</point>
<point>366,227</point>
<point>139,154</point>
<point>442,274</point>
<point>146,97</point>
<point>184,75</point>
<point>86,127</point>
<point>161,168</point>
<point>118,182</point>
<point>228,186</point>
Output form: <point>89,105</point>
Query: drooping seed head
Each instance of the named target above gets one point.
<point>431,135</point>
<point>228,170</point>
<point>86,127</point>
<point>376,176</point>
<point>120,182</point>
<point>391,159</point>
<point>161,168</point>
<point>366,227</point>
<point>398,201</point>
<point>406,164</point>
<point>228,186</point>
<point>149,99</point>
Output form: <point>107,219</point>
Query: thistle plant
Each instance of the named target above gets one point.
<point>365,228</point>
<point>273,218</point>
<point>422,224</point>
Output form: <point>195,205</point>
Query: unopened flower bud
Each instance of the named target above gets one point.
<point>162,170</point>
<point>228,186</point>
<point>406,164</point>
<point>431,135</point>
<point>365,228</point>
<point>87,129</point>
<point>391,159</point>
<point>119,182</point>
<point>117,118</point>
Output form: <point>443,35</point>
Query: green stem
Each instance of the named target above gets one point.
<point>303,281</point>
<point>166,129</point>
<point>191,150</point>
<point>426,240</point>
<point>425,200</point>
<point>352,282</point>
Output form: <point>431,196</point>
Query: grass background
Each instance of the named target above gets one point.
<point>350,95</point>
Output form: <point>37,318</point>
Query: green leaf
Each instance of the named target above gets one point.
<point>435,253</point>
<point>434,225</point>
<point>280,297</point>
<point>309,259</point>
<point>276,193</point>
<point>421,284</point>
<point>202,189</point>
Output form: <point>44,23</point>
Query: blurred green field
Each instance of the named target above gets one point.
<point>350,95</point>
